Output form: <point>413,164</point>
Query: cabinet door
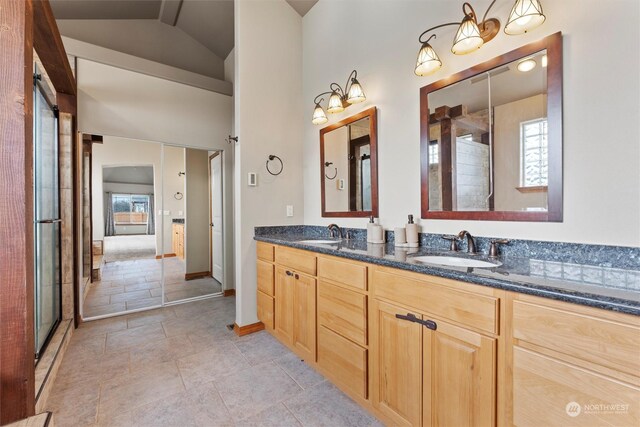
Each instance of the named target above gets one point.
<point>396,347</point>
<point>265,310</point>
<point>284,305</point>
<point>174,239</point>
<point>304,316</point>
<point>459,377</point>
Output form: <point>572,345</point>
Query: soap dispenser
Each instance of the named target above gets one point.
<point>375,233</point>
<point>412,233</point>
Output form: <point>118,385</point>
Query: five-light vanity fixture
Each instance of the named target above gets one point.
<point>471,35</point>
<point>339,98</point>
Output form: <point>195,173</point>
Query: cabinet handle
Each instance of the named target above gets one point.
<point>297,277</point>
<point>429,324</point>
<point>289,273</point>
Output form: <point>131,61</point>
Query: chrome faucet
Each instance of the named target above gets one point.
<point>471,244</point>
<point>334,231</point>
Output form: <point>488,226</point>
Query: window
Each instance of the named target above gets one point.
<point>534,153</point>
<point>130,209</point>
<point>434,155</point>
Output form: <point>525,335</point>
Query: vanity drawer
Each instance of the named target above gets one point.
<point>604,338</point>
<point>265,277</point>
<point>348,273</point>
<point>265,251</point>
<point>343,311</point>
<point>301,261</point>
<point>432,295</point>
<point>343,361</point>
<point>265,309</point>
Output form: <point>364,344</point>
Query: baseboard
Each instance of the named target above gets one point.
<point>165,256</point>
<point>229,292</point>
<point>199,275</point>
<point>247,329</point>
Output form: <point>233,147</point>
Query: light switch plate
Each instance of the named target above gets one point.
<point>252,179</point>
<point>180,213</point>
<point>289,210</point>
<point>167,212</point>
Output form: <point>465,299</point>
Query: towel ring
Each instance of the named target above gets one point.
<point>326,165</point>
<point>273,157</point>
<point>178,196</point>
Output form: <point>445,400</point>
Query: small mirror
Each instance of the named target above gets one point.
<point>492,147</point>
<point>348,165</point>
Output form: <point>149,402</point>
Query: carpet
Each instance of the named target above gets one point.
<point>126,248</point>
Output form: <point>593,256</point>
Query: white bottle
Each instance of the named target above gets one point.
<point>375,233</point>
<point>412,233</point>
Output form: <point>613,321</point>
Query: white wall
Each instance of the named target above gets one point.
<point>172,164</point>
<point>268,120</point>
<point>117,102</point>
<point>601,107</point>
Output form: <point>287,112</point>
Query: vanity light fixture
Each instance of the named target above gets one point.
<point>471,34</point>
<point>339,98</point>
<point>525,16</point>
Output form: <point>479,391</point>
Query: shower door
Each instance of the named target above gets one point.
<point>47,219</point>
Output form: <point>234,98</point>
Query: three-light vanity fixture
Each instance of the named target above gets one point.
<point>471,35</point>
<point>339,98</point>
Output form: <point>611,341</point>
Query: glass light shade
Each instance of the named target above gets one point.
<point>467,38</point>
<point>356,94</point>
<point>319,117</point>
<point>335,104</point>
<point>428,61</point>
<point>526,65</point>
<point>525,16</point>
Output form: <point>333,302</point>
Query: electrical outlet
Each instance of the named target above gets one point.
<point>167,212</point>
<point>289,210</point>
<point>180,213</point>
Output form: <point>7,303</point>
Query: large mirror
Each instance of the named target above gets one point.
<point>491,138</point>
<point>348,167</point>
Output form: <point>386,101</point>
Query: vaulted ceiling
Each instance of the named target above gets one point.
<point>195,35</point>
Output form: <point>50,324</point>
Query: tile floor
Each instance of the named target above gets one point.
<point>181,366</point>
<point>135,284</point>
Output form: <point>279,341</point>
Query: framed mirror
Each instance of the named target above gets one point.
<point>491,138</point>
<point>349,166</point>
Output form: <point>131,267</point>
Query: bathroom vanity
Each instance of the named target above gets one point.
<point>418,344</point>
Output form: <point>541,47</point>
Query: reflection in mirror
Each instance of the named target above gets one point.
<point>348,155</point>
<point>192,182</point>
<point>490,140</point>
<point>482,163</point>
<point>125,191</point>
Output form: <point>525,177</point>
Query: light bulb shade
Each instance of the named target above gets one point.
<point>319,117</point>
<point>525,16</point>
<point>467,38</point>
<point>428,61</point>
<point>335,103</point>
<point>356,94</point>
<point>526,65</point>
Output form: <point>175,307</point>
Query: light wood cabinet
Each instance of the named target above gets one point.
<point>419,350</point>
<point>396,347</point>
<point>177,242</point>
<point>295,311</point>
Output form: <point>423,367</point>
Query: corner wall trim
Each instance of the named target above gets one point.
<point>198,275</point>
<point>247,329</point>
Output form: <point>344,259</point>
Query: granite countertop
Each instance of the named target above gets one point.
<point>616,289</point>
<point>178,220</point>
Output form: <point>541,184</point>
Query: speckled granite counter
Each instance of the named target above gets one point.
<point>616,289</point>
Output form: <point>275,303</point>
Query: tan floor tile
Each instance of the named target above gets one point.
<point>152,316</point>
<point>219,360</point>
<point>160,351</point>
<point>275,416</point>
<point>144,303</point>
<point>120,340</point>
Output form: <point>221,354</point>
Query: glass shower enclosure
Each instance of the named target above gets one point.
<point>47,222</point>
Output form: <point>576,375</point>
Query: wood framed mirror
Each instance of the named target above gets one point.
<point>491,138</point>
<point>349,166</point>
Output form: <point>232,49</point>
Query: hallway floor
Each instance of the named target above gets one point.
<point>181,366</point>
<point>135,284</point>
<point>127,248</point>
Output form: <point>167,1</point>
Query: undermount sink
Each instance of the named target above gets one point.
<point>452,261</point>
<point>319,242</point>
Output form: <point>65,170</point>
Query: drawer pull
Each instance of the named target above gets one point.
<point>430,324</point>
<point>289,273</point>
<point>297,276</point>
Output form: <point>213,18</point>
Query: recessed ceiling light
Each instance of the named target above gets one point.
<point>526,65</point>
